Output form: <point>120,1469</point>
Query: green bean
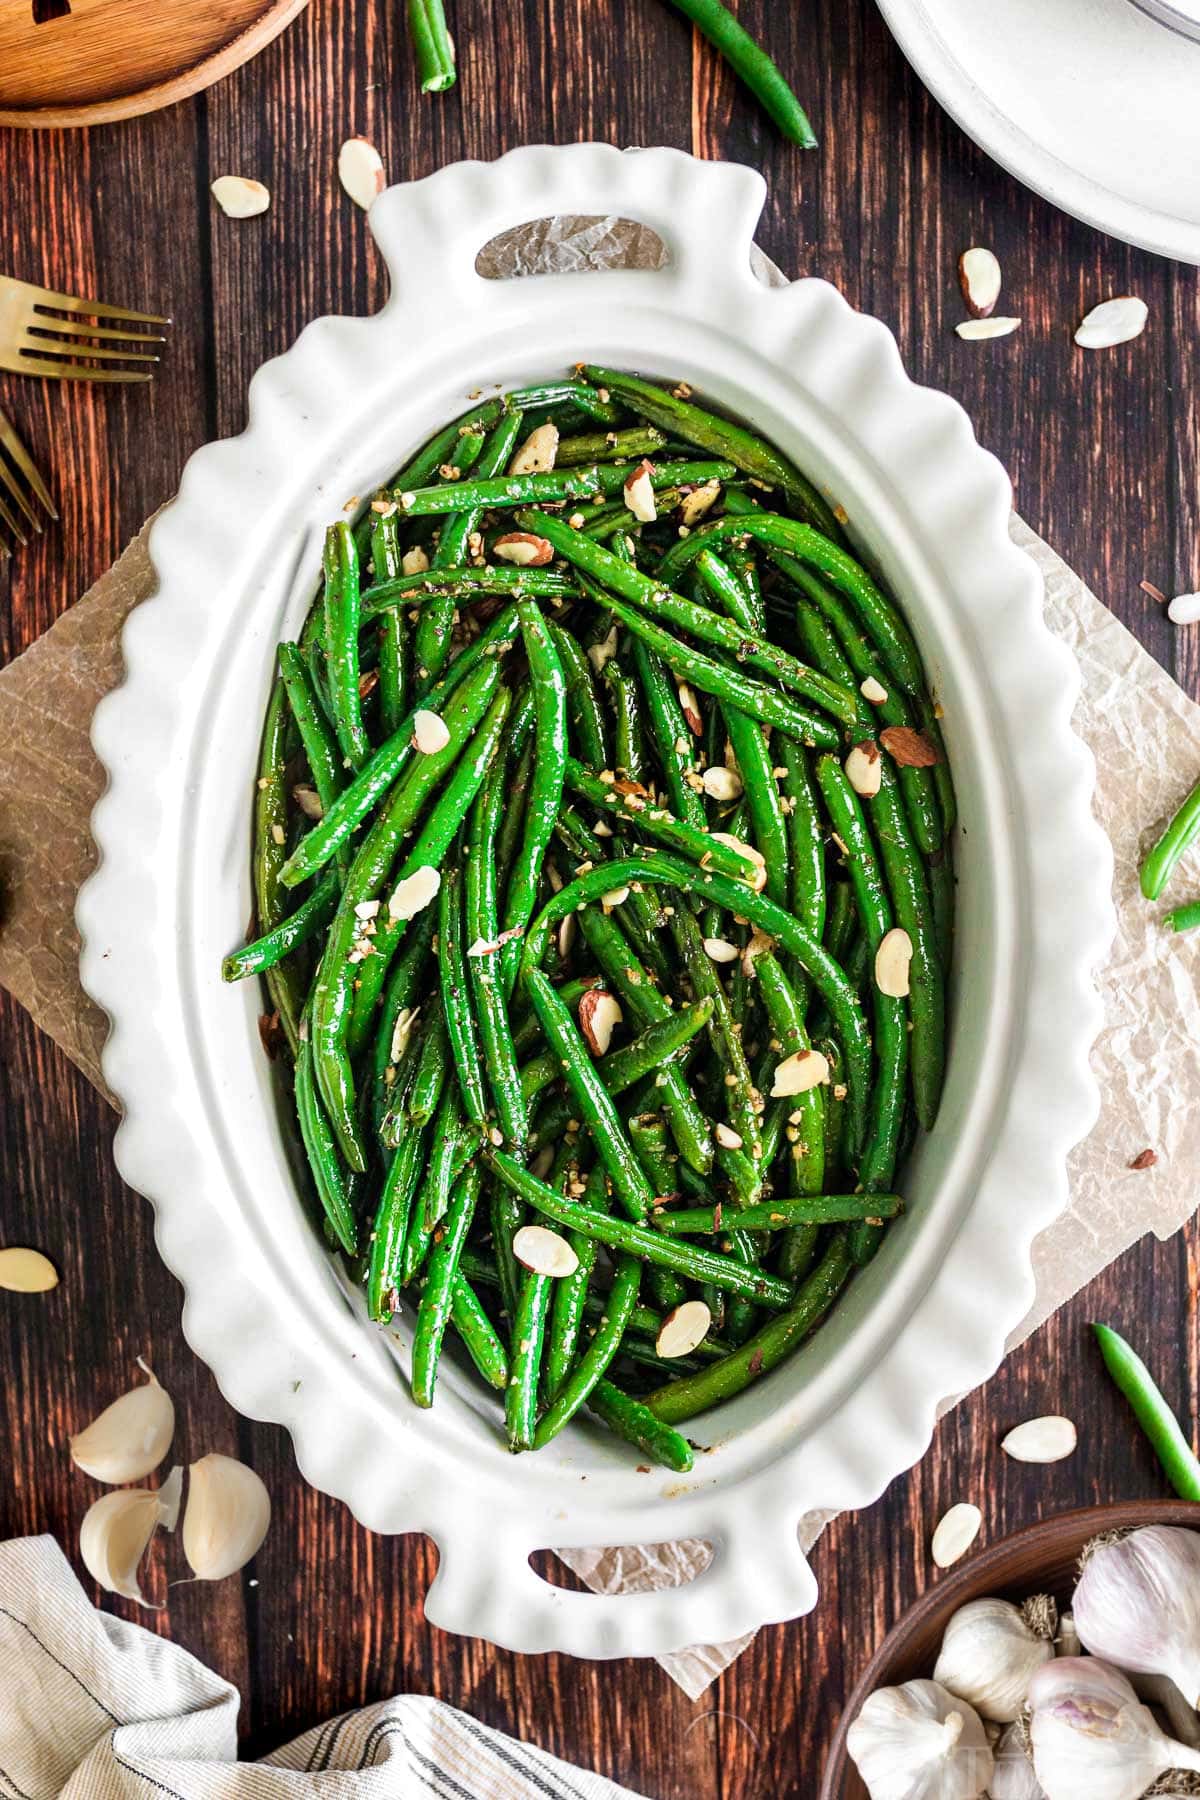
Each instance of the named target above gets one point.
<point>652,1050</point>
<point>629,754</point>
<point>640,1240</point>
<point>482,926</point>
<point>551,394</point>
<point>806,849</point>
<point>586,713</point>
<point>436,618</point>
<point>839,923</point>
<point>269,855</point>
<point>648,1135</point>
<point>603,1347</point>
<point>787,1028</point>
<point>392,627</point>
<point>767,821</point>
<point>321,1150</point>
<point>320,746</point>
<point>720,1381</point>
<point>529,1338</point>
<point>469,583</point>
<point>774,1214</point>
<point>670,734</point>
<point>753,65</point>
<point>569,1301</point>
<point>1166,1437</point>
<point>914,913</point>
<point>433,45</point>
<point>655,822</point>
<point>1184,918</point>
<point>608,446</point>
<point>460,1022</point>
<point>501,491</point>
<point>745,610</point>
<point>448,1133</point>
<point>390,1229</point>
<point>430,1076</point>
<point>342,620</point>
<point>726,1041</point>
<point>638,1426</point>
<point>1180,832</point>
<point>545,793</point>
<point>798,1251</point>
<point>309,917</point>
<point>479,1335</point>
<point>437,1299</point>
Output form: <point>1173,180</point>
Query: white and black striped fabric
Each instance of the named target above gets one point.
<point>94,1709</point>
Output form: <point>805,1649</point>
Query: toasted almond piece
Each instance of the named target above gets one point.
<point>797,1073</point>
<point>24,1271</point>
<point>430,731</point>
<point>727,1137</point>
<point>360,171</point>
<point>693,506</point>
<point>1113,322</point>
<point>758,946</point>
<point>309,801</point>
<point>615,897</point>
<point>599,1013</point>
<point>986,328</point>
<point>239,197</point>
<point>414,561</point>
<point>566,936</point>
<point>544,1252</point>
<point>690,708</point>
<point>413,895</point>
<point>602,828</point>
<point>873,691</point>
<point>956,1532</point>
<point>1045,1440</point>
<point>639,493</point>
<point>979,278</point>
<point>911,749</point>
<point>524,548</point>
<point>685,1326</point>
<point>1184,609</point>
<point>891,962</point>
<point>864,768</point>
<point>537,453</point>
<point>758,879</point>
<point>723,784</point>
<point>406,1019</point>
<point>602,653</point>
<point>720,950</point>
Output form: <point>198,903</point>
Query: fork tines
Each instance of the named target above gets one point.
<point>73,339</point>
<point>19,479</point>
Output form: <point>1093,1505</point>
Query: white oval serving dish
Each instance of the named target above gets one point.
<point>202,1134</point>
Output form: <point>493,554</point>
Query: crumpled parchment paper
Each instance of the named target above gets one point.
<point>1142,728</point>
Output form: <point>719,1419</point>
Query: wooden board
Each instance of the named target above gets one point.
<point>82,62</point>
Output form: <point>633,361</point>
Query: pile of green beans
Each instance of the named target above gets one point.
<point>602,871</point>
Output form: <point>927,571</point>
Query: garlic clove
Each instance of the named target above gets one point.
<point>129,1438</point>
<point>1044,1440</point>
<point>227,1516</point>
<point>988,1657</point>
<point>918,1742</point>
<point>1137,1604</point>
<point>955,1533</point>
<point>116,1532</point>
<point>1014,1776</point>
<point>1092,1736</point>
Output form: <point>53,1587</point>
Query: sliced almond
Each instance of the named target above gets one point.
<point>24,1271</point>
<point>690,707</point>
<point>430,731</point>
<point>239,197</point>
<point>599,1013</point>
<point>683,1328</point>
<point>701,500</point>
<point>720,950</point>
<point>402,1031</point>
<point>892,960</point>
<point>797,1073</point>
<point>986,328</point>
<point>309,802</point>
<point>979,278</point>
<point>544,1252</point>
<point>873,691</point>
<point>1184,609</point>
<point>1113,322</point>
<point>414,561</point>
<point>727,1137</point>
<point>864,769</point>
<point>601,654</point>
<point>414,893</point>
<point>566,936</point>
<point>758,879</point>
<point>615,897</point>
<point>1045,1440</point>
<point>524,548</point>
<point>911,749</point>
<point>956,1532</point>
<point>360,171</point>
<point>536,455</point>
<point>639,493</point>
<point>723,784</point>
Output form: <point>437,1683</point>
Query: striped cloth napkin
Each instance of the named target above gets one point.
<point>94,1709</point>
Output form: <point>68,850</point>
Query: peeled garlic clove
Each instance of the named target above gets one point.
<point>1091,1735</point>
<point>129,1438</point>
<point>1138,1604</point>
<point>116,1533</point>
<point>1014,1776</point>
<point>989,1655</point>
<point>917,1742</point>
<point>227,1516</point>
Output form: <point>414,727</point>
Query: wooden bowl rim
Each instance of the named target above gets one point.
<point>1049,1536</point>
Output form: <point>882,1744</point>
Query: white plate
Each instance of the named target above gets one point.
<point>1092,103</point>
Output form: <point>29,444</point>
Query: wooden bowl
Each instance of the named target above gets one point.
<point>1039,1560</point>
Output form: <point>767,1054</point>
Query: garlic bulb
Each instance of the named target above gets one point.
<point>1014,1777</point>
<point>1182,1720</point>
<point>130,1437</point>
<point>1092,1736</point>
<point>117,1529</point>
<point>917,1742</point>
<point>1138,1604</point>
<point>228,1513</point>
<point>988,1657</point>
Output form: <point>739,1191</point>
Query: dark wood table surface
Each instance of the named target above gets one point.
<point>1103,451</point>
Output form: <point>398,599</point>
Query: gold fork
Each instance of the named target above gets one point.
<point>35,338</point>
<point>16,462</point>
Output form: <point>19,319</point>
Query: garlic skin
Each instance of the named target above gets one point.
<point>116,1533</point>
<point>917,1742</point>
<point>1137,1605</point>
<point>227,1516</point>
<point>989,1656</point>
<point>129,1438</point>
<point>1092,1736</point>
<point>1014,1777</point>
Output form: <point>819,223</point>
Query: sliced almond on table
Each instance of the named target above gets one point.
<point>414,561</point>
<point>239,197</point>
<point>537,454</point>
<point>986,328</point>
<point>599,1014</point>
<point>1184,609</point>
<point>1045,1440</point>
<point>864,769</point>
<point>701,499</point>
<point>911,749</point>
<point>892,961</point>
<point>360,171</point>
<point>524,548</point>
<point>722,784</point>
<point>544,1252</point>
<point>873,691</point>
<point>414,893</point>
<point>720,950</point>
<point>979,278</point>
<point>1113,322</point>
<point>956,1532</point>
<point>683,1328</point>
<point>24,1271</point>
<point>797,1073</point>
<point>639,493</point>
